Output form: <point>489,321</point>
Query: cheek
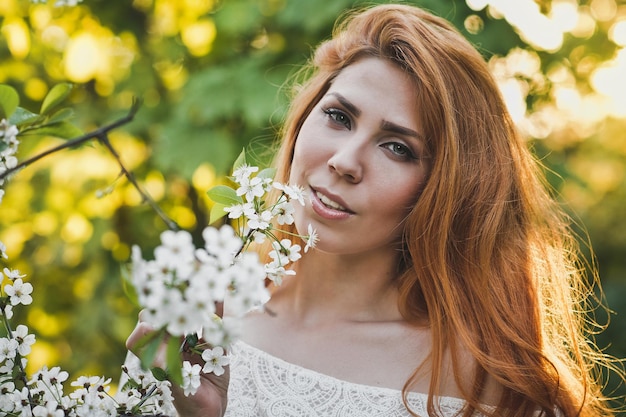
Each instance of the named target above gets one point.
<point>299,164</point>
<point>403,201</point>
<point>308,153</point>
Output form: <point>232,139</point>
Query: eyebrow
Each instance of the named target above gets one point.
<point>401,130</point>
<point>346,103</point>
<point>385,125</point>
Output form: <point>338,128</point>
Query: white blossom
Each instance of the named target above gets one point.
<point>260,221</point>
<point>215,360</point>
<point>222,243</point>
<point>8,348</point>
<point>285,251</point>
<point>96,404</point>
<point>191,378</point>
<point>7,405</point>
<point>20,402</point>
<point>284,212</point>
<point>49,409</point>
<point>258,237</point>
<point>294,192</point>
<point>8,312</point>
<point>8,135</point>
<point>276,272</point>
<point>251,188</point>
<point>204,290</point>
<point>182,321</point>
<point>244,172</point>
<point>54,377</point>
<point>12,274</point>
<point>24,340</point>
<point>311,238</point>
<point>3,251</point>
<point>239,210</point>
<point>247,278</point>
<point>19,292</point>
<point>175,252</point>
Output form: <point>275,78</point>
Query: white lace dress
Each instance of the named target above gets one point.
<point>262,385</point>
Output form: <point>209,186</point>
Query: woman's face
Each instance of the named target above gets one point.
<point>361,158</point>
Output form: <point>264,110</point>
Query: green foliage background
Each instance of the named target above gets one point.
<point>206,94</point>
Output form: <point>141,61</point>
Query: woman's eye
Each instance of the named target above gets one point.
<point>399,150</point>
<point>337,116</point>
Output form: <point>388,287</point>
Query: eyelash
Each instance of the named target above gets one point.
<point>335,114</point>
<point>407,155</point>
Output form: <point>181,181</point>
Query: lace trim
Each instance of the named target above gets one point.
<point>266,386</point>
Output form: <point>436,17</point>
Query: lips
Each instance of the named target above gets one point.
<point>331,201</point>
<point>328,202</point>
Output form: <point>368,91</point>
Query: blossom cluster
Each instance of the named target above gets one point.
<point>255,218</point>
<point>180,288</point>
<point>44,394</point>
<point>8,148</point>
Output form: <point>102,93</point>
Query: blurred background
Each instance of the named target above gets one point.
<point>211,76</point>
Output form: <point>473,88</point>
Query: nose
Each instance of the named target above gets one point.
<point>347,162</point>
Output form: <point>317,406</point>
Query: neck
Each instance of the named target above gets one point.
<point>331,287</point>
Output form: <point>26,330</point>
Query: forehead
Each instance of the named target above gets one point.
<point>380,87</point>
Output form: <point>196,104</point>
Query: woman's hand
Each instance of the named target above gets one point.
<point>211,398</point>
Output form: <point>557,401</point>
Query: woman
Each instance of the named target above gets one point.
<point>443,281</point>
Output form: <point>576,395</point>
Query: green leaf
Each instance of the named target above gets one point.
<point>225,195</point>
<point>159,373</point>
<point>130,384</point>
<point>22,116</point>
<point>174,361</point>
<point>241,160</point>
<point>55,96</point>
<point>267,173</point>
<point>9,100</point>
<point>150,344</point>
<point>61,115</point>
<point>217,212</point>
<point>192,340</point>
<point>63,130</point>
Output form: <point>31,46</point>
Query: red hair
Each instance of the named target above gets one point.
<point>491,265</point>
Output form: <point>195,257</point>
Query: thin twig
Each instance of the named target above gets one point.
<point>104,139</point>
<point>101,135</point>
<point>145,397</point>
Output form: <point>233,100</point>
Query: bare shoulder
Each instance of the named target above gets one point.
<point>384,354</point>
<point>381,354</point>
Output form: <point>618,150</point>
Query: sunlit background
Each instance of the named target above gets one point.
<point>209,74</point>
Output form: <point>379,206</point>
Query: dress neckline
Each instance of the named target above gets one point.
<point>293,368</point>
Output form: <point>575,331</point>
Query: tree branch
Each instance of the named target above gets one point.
<point>76,141</point>
<point>101,135</point>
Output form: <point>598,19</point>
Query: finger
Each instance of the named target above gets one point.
<point>139,333</point>
<point>142,315</point>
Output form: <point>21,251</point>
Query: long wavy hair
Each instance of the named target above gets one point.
<point>490,263</point>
